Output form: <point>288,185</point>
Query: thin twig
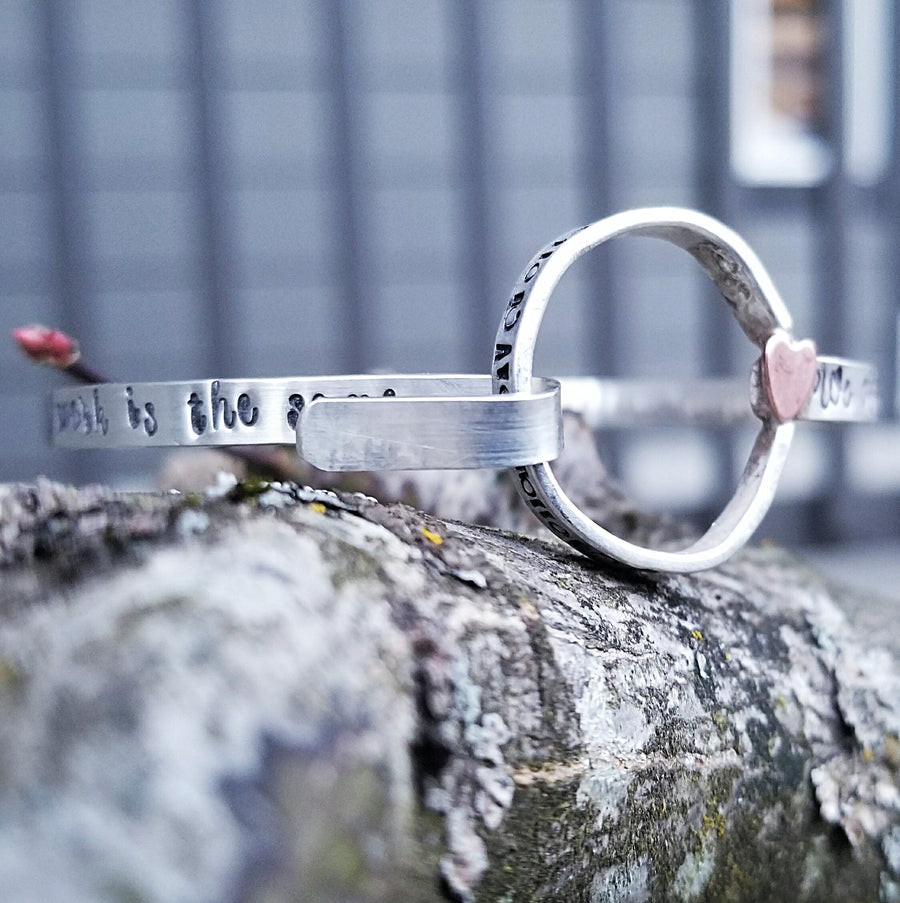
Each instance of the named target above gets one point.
<point>82,373</point>
<point>54,348</point>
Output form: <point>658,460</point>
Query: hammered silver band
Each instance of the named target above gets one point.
<point>789,382</point>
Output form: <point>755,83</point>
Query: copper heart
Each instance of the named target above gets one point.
<point>790,374</point>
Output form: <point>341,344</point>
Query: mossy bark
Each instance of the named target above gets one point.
<point>274,694</point>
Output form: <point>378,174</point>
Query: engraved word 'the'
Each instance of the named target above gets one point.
<point>222,414</point>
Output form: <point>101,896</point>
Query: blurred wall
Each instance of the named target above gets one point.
<point>313,186</point>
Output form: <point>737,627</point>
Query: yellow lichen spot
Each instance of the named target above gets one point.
<point>868,755</point>
<point>8,674</point>
<point>432,537</point>
<point>713,824</point>
<point>697,634</point>
<point>318,507</point>
<point>727,655</point>
<point>781,702</point>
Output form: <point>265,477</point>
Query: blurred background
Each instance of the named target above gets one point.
<point>199,189</point>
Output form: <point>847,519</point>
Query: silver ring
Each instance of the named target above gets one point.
<point>789,382</point>
<point>389,422</point>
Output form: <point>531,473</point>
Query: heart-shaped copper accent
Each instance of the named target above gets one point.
<point>790,374</point>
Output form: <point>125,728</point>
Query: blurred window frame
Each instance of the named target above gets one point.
<point>778,91</point>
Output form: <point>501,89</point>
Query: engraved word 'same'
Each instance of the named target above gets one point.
<point>296,404</point>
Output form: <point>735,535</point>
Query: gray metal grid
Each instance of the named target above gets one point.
<point>314,186</point>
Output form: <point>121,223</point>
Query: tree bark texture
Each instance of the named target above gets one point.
<point>269,693</point>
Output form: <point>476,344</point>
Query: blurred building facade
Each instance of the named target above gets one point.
<point>314,186</point>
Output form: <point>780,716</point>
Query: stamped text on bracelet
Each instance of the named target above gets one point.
<point>840,389</point>
<point>394,421</point>
<point>209,411</point>
<point>789,381</point>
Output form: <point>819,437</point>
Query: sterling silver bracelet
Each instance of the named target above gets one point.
<point>789,382</point>
<point>396,422</point>
<point>512,418</point>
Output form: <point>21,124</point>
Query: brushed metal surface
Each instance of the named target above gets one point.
<point>436,432</point>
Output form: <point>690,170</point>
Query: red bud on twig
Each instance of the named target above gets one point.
<point>57,349</point>
<point>47,346</point>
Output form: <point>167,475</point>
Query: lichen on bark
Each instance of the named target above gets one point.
<point>278,693</point>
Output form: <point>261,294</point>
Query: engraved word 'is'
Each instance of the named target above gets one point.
<point>141,417</point>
